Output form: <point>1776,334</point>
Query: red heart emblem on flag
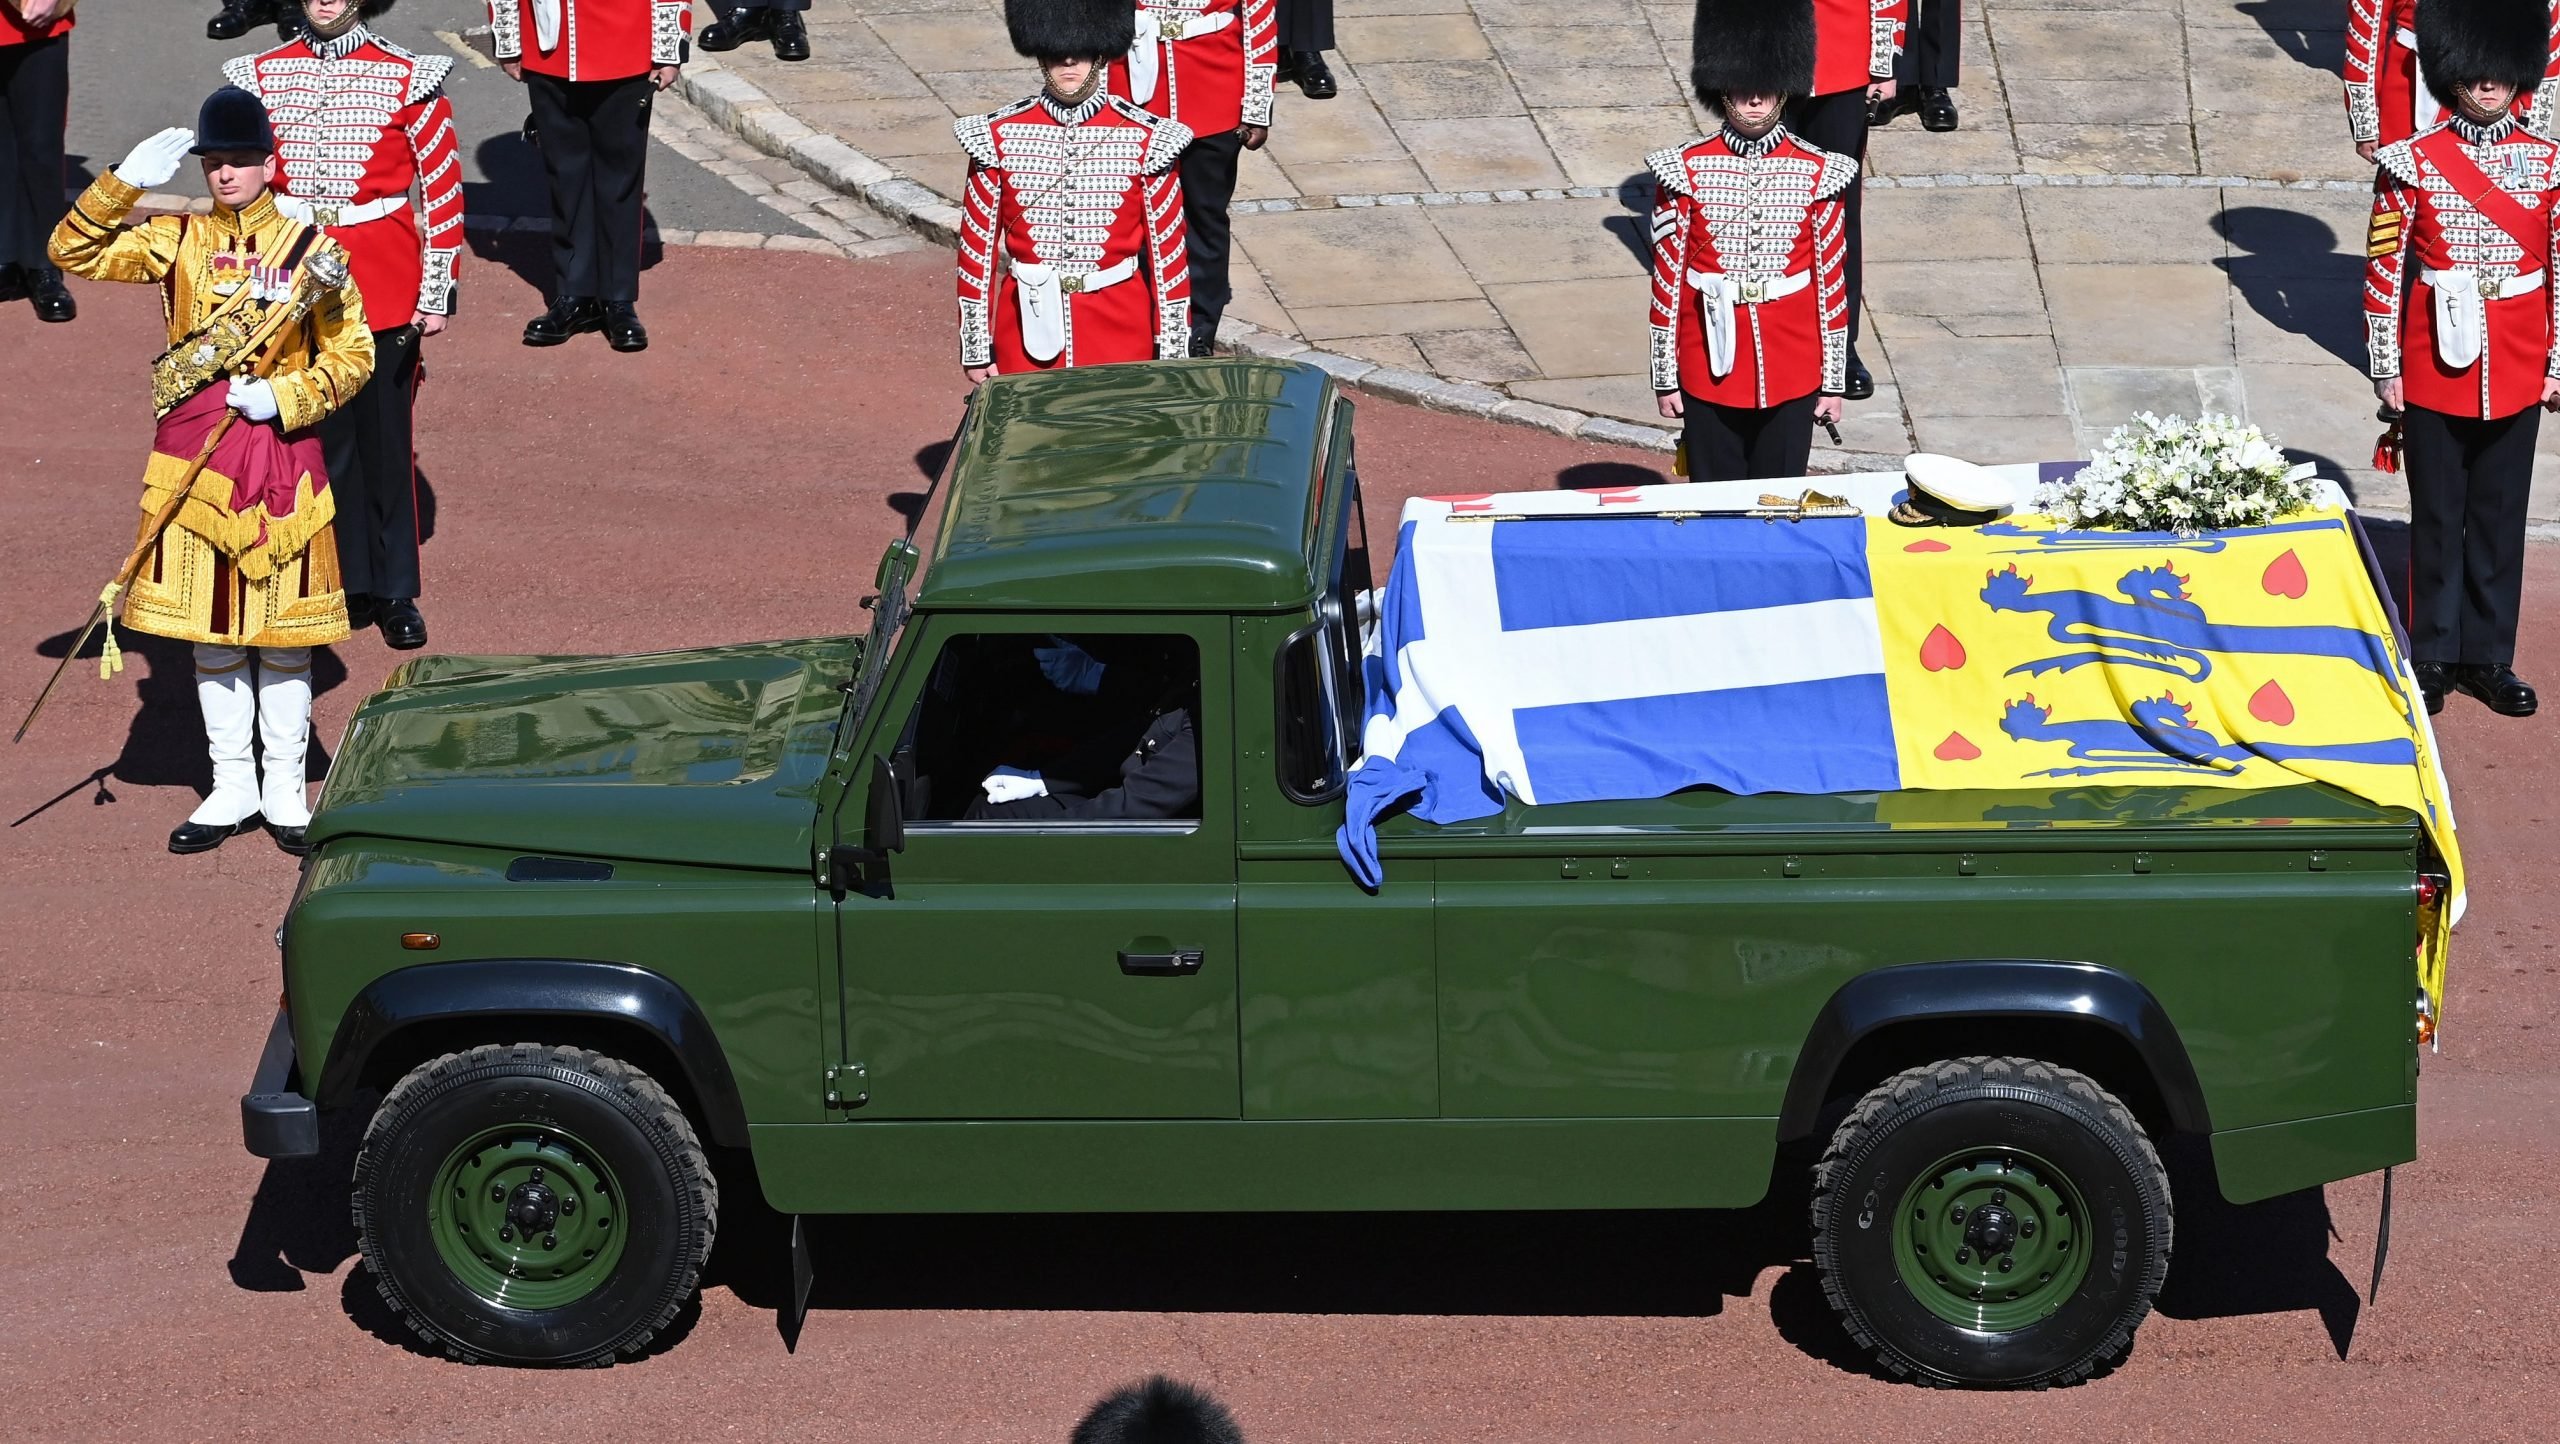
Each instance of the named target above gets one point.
<point>2285,577</point>
<point>1941,652</point>
<point>2270,705</point>
<point>1957,748</point>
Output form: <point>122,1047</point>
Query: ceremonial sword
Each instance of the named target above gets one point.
<point>1810,506</point>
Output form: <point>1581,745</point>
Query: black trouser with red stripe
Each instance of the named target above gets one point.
<point>35,101</point>
<point>594,136</point>
<point>1208,187</point>
<point>1744,443</point>
<point>2469,481</point>
<point>373,473</point>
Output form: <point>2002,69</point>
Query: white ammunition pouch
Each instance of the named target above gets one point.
<point>546,25</point>
<point>1720,293</point>
<point>1146,61</point>
<point>1042,291</point>
<point>2462,311</point>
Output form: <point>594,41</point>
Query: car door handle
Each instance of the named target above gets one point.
<point>1160,965</point>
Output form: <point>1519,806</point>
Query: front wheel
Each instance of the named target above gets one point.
<point>534,1205</point>
<point>1991,1221</point>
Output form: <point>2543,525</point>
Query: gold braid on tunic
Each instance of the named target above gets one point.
<point>204,582</point>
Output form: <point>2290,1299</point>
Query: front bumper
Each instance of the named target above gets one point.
<point>275,1121</point>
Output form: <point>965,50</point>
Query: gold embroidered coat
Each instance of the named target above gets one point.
<point>216,576</point>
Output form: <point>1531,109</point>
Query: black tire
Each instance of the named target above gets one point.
<point>662,1195</point>
<point>2070,1140</point>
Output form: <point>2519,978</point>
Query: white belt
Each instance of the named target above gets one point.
<point>1041,292</point>
<point>2423,110</point>
<point>1720,292</point>
<point>326,216</point>
<point>2462,311</point>
<point>1146,61</point>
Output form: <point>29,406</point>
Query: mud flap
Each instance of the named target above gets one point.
<point>796,1309</point>
<point>2381,1242</point>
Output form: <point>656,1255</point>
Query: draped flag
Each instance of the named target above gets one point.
<point>1565,660</point>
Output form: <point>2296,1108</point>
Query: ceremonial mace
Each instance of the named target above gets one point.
<point>321,273</point>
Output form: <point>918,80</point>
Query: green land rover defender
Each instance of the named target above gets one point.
<point>571,924</point>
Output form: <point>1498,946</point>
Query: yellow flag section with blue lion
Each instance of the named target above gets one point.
<point>1556,647</point>
<point>2019,653</point>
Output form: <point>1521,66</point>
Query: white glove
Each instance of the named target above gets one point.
<point>1012,784</point>
<point>155,162</point>
<point>253,398</point>
<point>1069,668</point>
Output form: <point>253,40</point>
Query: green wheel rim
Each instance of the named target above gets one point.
<point>527,1217</point>
<point>1992,1239</point>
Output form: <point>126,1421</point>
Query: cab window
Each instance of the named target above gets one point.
<point>1045,728</point>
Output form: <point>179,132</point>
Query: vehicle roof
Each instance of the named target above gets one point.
<point>1165,486</point>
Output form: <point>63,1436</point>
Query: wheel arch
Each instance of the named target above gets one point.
<point>404,1018</point>
<point>2095,1019</point>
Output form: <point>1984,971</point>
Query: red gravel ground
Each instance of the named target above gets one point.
<point>738,482</point>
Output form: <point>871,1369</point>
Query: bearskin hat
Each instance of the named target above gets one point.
<point>2461,42</point>
<point>1060,29</point>
<point>1752,47</point>
<point>1159,1411</point>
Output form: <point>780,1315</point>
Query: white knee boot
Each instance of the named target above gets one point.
<point>230,717</point>
<point>284,730</point>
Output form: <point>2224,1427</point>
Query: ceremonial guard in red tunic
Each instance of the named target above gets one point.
<point>1750,297</point>
<point>2459,324</point>
<point>267,336</point>
<point>590,67</point>
<point>359,123</point>
<point>1072,246</point>
<point>2388,100</point>
<point>1854,49</point>
<point>1208,64</point>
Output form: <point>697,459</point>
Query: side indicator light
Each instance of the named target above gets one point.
<point>421,942</point>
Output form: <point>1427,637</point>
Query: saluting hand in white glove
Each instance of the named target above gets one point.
<point>155,162</point>
<point>253,398</point>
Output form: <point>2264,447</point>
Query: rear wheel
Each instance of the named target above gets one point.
<point>534,1204</point>
<point>1991,1221</point>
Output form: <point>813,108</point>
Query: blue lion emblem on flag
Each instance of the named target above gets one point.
<point>2153,623</point>
<point>2162,735</point>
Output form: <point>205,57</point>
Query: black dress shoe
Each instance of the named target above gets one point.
<point>569,316</point>
<point>1862,382</point>
<point>52,299</point>
<point>790,36</point>
<point>1314,77</point>
<point>2433,682</point>
<point>403,628</point>
<point>236,18</point>
<point>1937,110</point>
<point>204,837</point>
<point>622,328</point>
<point>13,282</point>
<point>1204,343</point>
<point>744,24</point>
<point>2497,685</point>
<point>295,840</point>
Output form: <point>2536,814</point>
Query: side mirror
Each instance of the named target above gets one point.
<point>884,831</point>
<point>884,826</point>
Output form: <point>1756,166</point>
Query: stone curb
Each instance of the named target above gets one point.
<point>738,106</point>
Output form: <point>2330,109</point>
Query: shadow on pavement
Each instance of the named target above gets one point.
<point>164,744</point>
<point>1610,475</point>
<point>2269,1257</point>
<point>1635,229</point>
<point>2322,48</point>
<point>2293,275</point>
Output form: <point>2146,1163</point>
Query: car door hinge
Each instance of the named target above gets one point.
<point>848,1085</point>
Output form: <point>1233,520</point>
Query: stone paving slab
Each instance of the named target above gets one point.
<point>2151,204</point>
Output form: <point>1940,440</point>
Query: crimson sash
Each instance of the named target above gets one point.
<point>263,463</point>
<point>2530,229</point>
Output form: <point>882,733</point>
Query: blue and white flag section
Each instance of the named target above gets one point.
<point>1564,661</point>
